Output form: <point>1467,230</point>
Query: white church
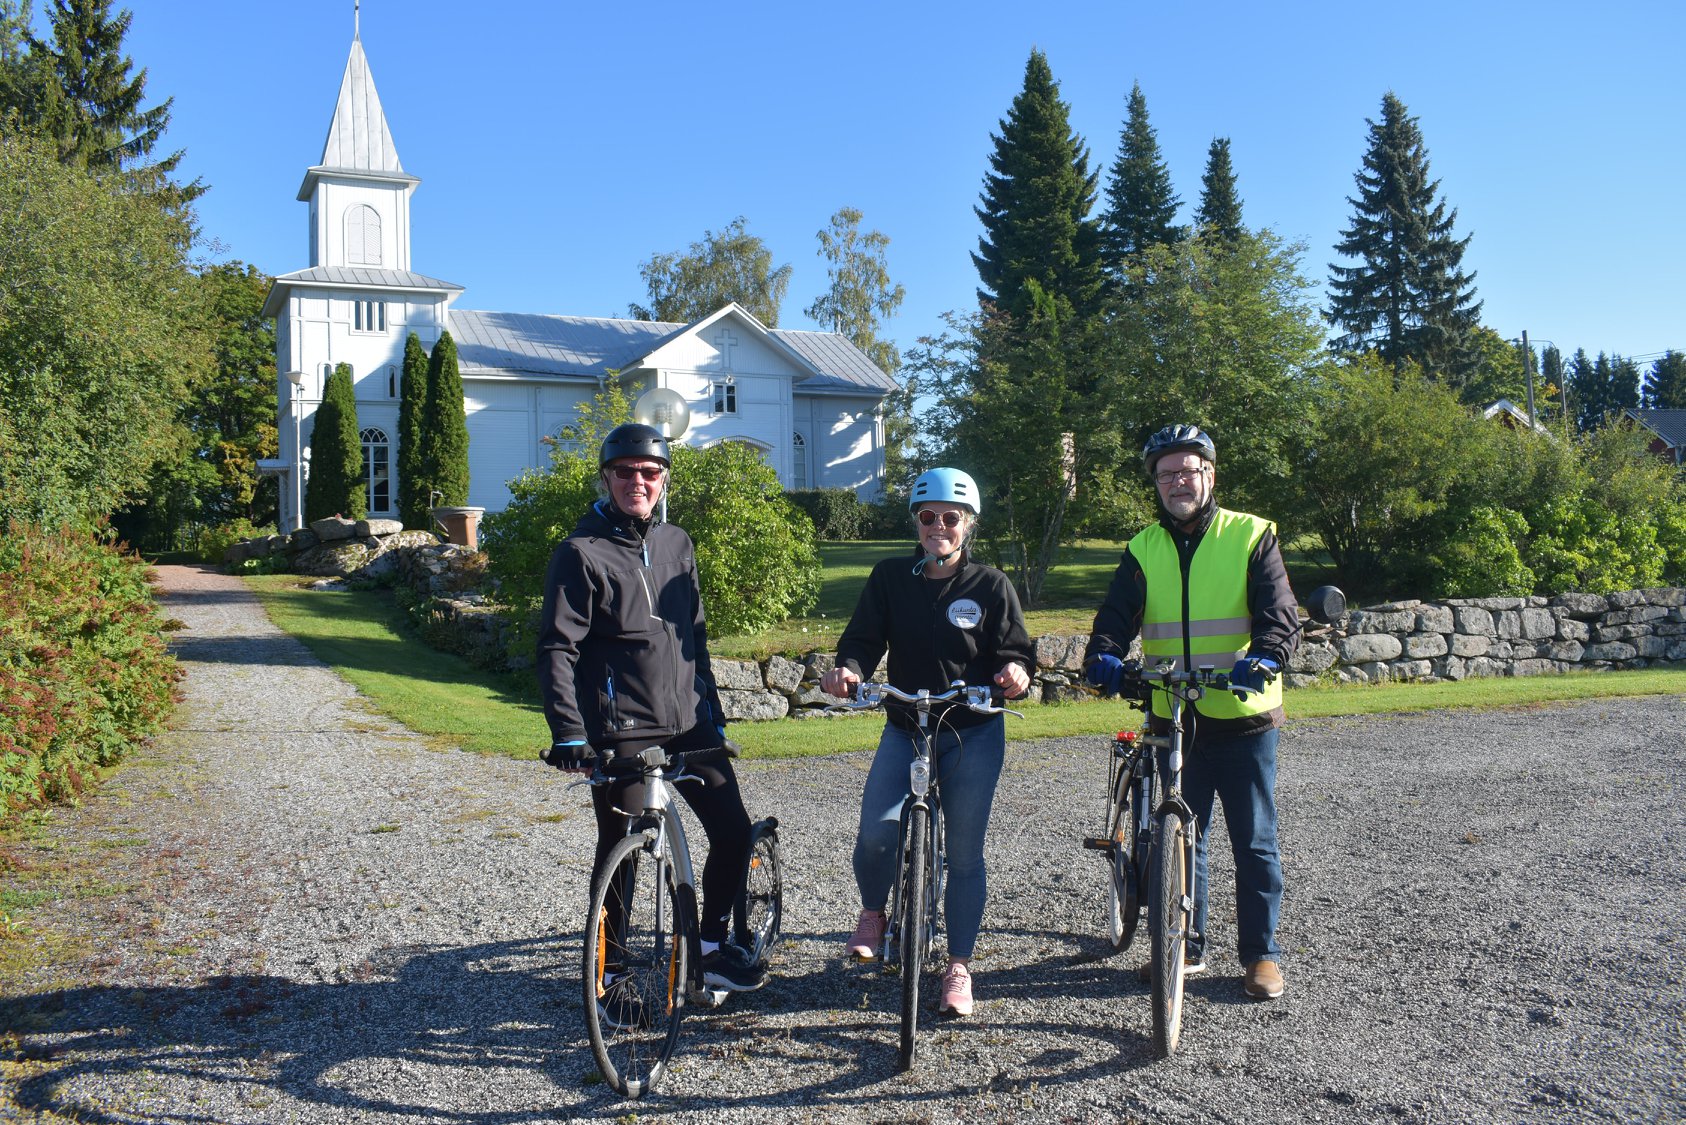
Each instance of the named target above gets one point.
<point>809,402</point>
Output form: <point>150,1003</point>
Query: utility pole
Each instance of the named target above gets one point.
<point>1528,371</point>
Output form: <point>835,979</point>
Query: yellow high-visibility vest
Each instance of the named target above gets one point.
<point>1211,625</point>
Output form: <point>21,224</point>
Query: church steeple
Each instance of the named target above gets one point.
<point>358,137</point>
<point>359,193</point>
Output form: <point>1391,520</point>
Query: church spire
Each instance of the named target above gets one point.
<point>358,137</point>
<point>356,19</point>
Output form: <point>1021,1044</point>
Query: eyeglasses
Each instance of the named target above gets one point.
<point>950,519</point>
<point>1171,476</point>
<point>627,472</point>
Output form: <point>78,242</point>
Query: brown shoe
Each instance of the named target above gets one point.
<point>1263,980</point>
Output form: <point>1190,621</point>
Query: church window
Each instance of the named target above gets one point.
<point>391,381</point>
<point>368,316</point>
<point>377,469</point>
<point>798,461</point>
<point>362,236</point>
<point>568,440</point>
<point>725,393</point>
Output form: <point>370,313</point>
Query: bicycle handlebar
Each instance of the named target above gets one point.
<point>670,764</point>
<point>974,697</point>
<point>1167,677</point>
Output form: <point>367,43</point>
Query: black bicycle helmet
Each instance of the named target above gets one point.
<point>1178,439</point>
<point>633,439</point>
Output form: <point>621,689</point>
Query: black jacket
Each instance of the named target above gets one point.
<point>623,652</point>
<point>1270,602</point>
<point>964,627</point>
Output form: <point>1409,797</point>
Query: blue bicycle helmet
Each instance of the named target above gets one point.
<point>1178,439</point>
<point>947,486</point>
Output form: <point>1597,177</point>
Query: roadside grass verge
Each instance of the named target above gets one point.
<point>362,635</point>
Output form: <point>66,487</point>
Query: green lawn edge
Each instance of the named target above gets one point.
<point>363,636</point>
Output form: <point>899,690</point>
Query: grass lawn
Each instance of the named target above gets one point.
<point>361,635</point>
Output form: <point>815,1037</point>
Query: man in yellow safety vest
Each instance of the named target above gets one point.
<point>1206,585</point>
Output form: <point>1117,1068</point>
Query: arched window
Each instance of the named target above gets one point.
<point>377,469</point>
<point>798,462</point>
<point>362,235</point>
<point>391,381</point>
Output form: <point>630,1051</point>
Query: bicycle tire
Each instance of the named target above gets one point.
<point>914,927</point>
<point>1168,916</point>
<point>758,916</point>
<point>1123,860</point>
<point>632,1018</point>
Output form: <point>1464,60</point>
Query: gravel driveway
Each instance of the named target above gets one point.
<point>312,915</point>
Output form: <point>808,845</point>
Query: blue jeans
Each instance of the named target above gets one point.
<point>968,764</point>
<point>1240,772</point>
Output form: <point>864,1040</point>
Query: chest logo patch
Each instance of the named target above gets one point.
<point>964,613</point>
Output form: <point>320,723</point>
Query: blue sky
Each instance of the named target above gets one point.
<point>560,144</point>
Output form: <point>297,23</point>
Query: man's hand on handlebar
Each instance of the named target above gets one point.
<point>1253,672</point>
<point>839,682</point>
<point>571,756</point>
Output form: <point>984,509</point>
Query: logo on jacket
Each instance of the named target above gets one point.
<point>964,613</point>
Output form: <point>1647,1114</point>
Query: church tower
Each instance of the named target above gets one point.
<point>357,300</point>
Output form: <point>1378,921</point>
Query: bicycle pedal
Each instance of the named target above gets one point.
<point>1098,843</point>
<point>707,997</point>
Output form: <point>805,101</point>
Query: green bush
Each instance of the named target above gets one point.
<point>1482,560</point>
<point>837,513</point>
<point>84,674</point>
<point>335,485</point>
<point>211,542</point>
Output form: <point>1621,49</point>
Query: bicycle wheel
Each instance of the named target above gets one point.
<point>636,965</point>
<point>1168,913</point>
<point>914,926</point>
<point>1123,856</point>
<point>759,913</point>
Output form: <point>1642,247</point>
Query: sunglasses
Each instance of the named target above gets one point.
<point>645,472</point>
<point>950,519</point>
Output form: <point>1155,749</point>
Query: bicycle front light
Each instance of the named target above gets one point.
<point>919,776</point>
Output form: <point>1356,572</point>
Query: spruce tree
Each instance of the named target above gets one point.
<point>1219,215</point>
<point>336,485</point>
<point>1035,206</point>
<point>1141,207</point>
<point>412,406</point>
<point>445,427</point>
<point>1665,386</point>
<point>1408,297</point>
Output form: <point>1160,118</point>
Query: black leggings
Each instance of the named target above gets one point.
<point>718,806</point>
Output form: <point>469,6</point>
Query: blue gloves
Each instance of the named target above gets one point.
<point>1253,672</point>
<point>1106,672</point>
<point>575,754</point>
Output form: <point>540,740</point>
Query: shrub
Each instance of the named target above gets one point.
<point>1482,559</point>
<point>444,428</point>
<point>335,485</point>
<point>212,542</point>
<point>837,513</point>
<point>84,674</point>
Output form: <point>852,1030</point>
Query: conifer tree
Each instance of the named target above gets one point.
<point>1408,297</point>
<point>1035,206</point>
<point>445,427</point>
<point>1665,385</point>
<point>336,485</point>
<point>1219,215</point>
<point>412,406</point>
<point>1141,207</point>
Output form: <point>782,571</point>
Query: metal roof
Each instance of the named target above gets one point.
<point>358,137</point>
<point>541,344</point>
<point>351,277</point>
<point>1670,425</point>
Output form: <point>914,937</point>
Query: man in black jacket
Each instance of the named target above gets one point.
<point>623,666</point>
<point>1206,586</point>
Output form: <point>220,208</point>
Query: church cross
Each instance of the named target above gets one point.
<point>725,340</point>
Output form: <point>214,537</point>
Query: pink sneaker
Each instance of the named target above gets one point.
<point>868,936</point>
<point>957,990</point>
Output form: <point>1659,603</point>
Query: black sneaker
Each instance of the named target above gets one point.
<point>732,968</point>
<point>620,1006</point>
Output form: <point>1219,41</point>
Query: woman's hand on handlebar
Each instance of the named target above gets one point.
<point>839,682</point>
<point>1013,680</point>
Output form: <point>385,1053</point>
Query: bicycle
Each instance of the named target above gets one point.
<point>1151,832</point>
<point>916,897</point>
<point>641,967</point>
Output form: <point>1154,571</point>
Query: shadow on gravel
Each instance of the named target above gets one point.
<point>450,1034</point>
<point>236,595</point>
<point>276,649</point>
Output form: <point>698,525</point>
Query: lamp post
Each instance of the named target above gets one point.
<point>296,378</point>
<point>664,409</point>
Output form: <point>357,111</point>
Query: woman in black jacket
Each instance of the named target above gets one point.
<point>941,617</point>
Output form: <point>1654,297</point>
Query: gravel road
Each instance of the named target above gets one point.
<point>311,915</point>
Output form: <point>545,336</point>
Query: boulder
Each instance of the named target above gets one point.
<point>1471,644</point>
<point>1421,646</point>
<point>1435,619</point>
<point>1474,620</point>
<point>1580,605</point>
<point>381,528</point>
<point>783,674</point>
<point>1061,652</point>
<point>737,675</point>
<point>1366,647</point>
<point>752,706</point>
<point>333,528</point>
